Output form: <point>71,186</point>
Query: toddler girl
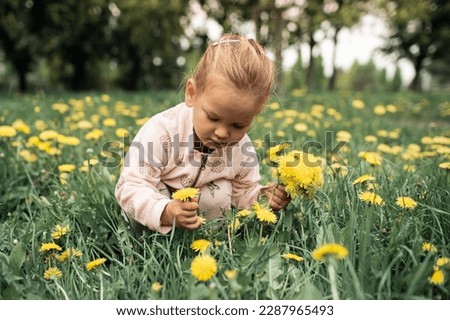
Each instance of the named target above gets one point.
<point>202,143</point>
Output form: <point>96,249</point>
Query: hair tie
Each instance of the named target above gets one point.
<point>225,41</point>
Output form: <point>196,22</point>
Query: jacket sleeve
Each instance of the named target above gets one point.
<point>139,188</point>
<point>245,185</point>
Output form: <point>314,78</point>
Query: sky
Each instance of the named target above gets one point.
<point>356,44</point>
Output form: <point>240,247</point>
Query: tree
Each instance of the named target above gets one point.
<point>295,78</point>
<point>147,42</point>
<point>341,14</point>
<point>18,38</point>
<point>395,84</point>
<point>419,32</point>
<point>74,40</point>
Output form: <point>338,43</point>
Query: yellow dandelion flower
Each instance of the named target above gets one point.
<point>428,247</point>
<point>185,194</point>
<point>358,104</point>
<point>231,274</point>
<point>371,198</point>
<point>445,165</point>
<point>330,250</point>
<point>406,202</point>
<point>391,108</point>
<point>200,245</point>
<point>264,214</point>
<point>90,162</point>
<point>437,278</point>
<point>7,131</point>
<point>274,105</point>
<point>84,124</point>
<point>300,127</point>
<point>63,178</point>
<point>244,213</point>
<point>66,254</point>
<point>48,135</point>
<point>275,151</point>
<point>292,256</point>
<point>122,132</point>
<point>443,261</point>
<point>370,139</point>
<point>66,167</point>
<point>59,231</point>
<point>409,168</point>
<point>202,219</point>
<point>52,273</point>
<point>28,156</point>
<point>203,267</point>
<point>95,263</point>
<point>21,126</point>
<point>372,158</point>
<point>60,107</point>
<point>67,140</point>
<point>379,110</point>
<point>109,122</point>
<point>343,135</point>
<point>40,125</point>
<point>142,121</point>
<point>337,168</point>
<point>234,224</point>
<point>94,134</point>
<point>156,287</point>
<point>364,178</point>
<point>49,246</point>
<point>300,173</point>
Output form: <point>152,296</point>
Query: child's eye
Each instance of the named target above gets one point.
<point>237,126</point>
<point>211,118</point>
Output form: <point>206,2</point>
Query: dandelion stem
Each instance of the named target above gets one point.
<point>260,233</point>
<point>62,290</point>
<point>332,275</point>
<point>229,241</point>
<point>101,287</point>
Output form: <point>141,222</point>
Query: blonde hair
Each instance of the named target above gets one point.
<point>239,60</point>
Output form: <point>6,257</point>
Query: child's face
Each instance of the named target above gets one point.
<point>222,114</point>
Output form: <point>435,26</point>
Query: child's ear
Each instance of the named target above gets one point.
<point>189,93</point>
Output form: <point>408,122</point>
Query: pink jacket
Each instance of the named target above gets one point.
<point>162,157</point>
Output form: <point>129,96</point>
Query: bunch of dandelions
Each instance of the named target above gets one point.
<point>330,253</point>
<point>54,255</point>
<point>442,263</point>
<point>300,173</point>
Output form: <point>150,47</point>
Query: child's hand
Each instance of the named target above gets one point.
<point>277,196</point>
<point>184,213</point>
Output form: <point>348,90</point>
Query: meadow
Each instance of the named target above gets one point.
<point>376,227</point>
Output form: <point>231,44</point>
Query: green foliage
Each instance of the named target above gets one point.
<point>419,32</point>
<point>386,259</point>
<point>366,77</point>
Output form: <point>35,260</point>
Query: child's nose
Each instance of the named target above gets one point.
<point>221,132</point>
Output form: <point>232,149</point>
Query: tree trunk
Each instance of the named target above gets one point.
<point>310,72</point>
<point>278,45</point>
<point>416,84</point>
<point>79,79</point>
<point>257,21</point>
<point>22,66</point>
<point>332,80</point>
<point>23,81</point>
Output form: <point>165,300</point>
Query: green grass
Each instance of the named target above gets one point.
<point>386,259</point>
